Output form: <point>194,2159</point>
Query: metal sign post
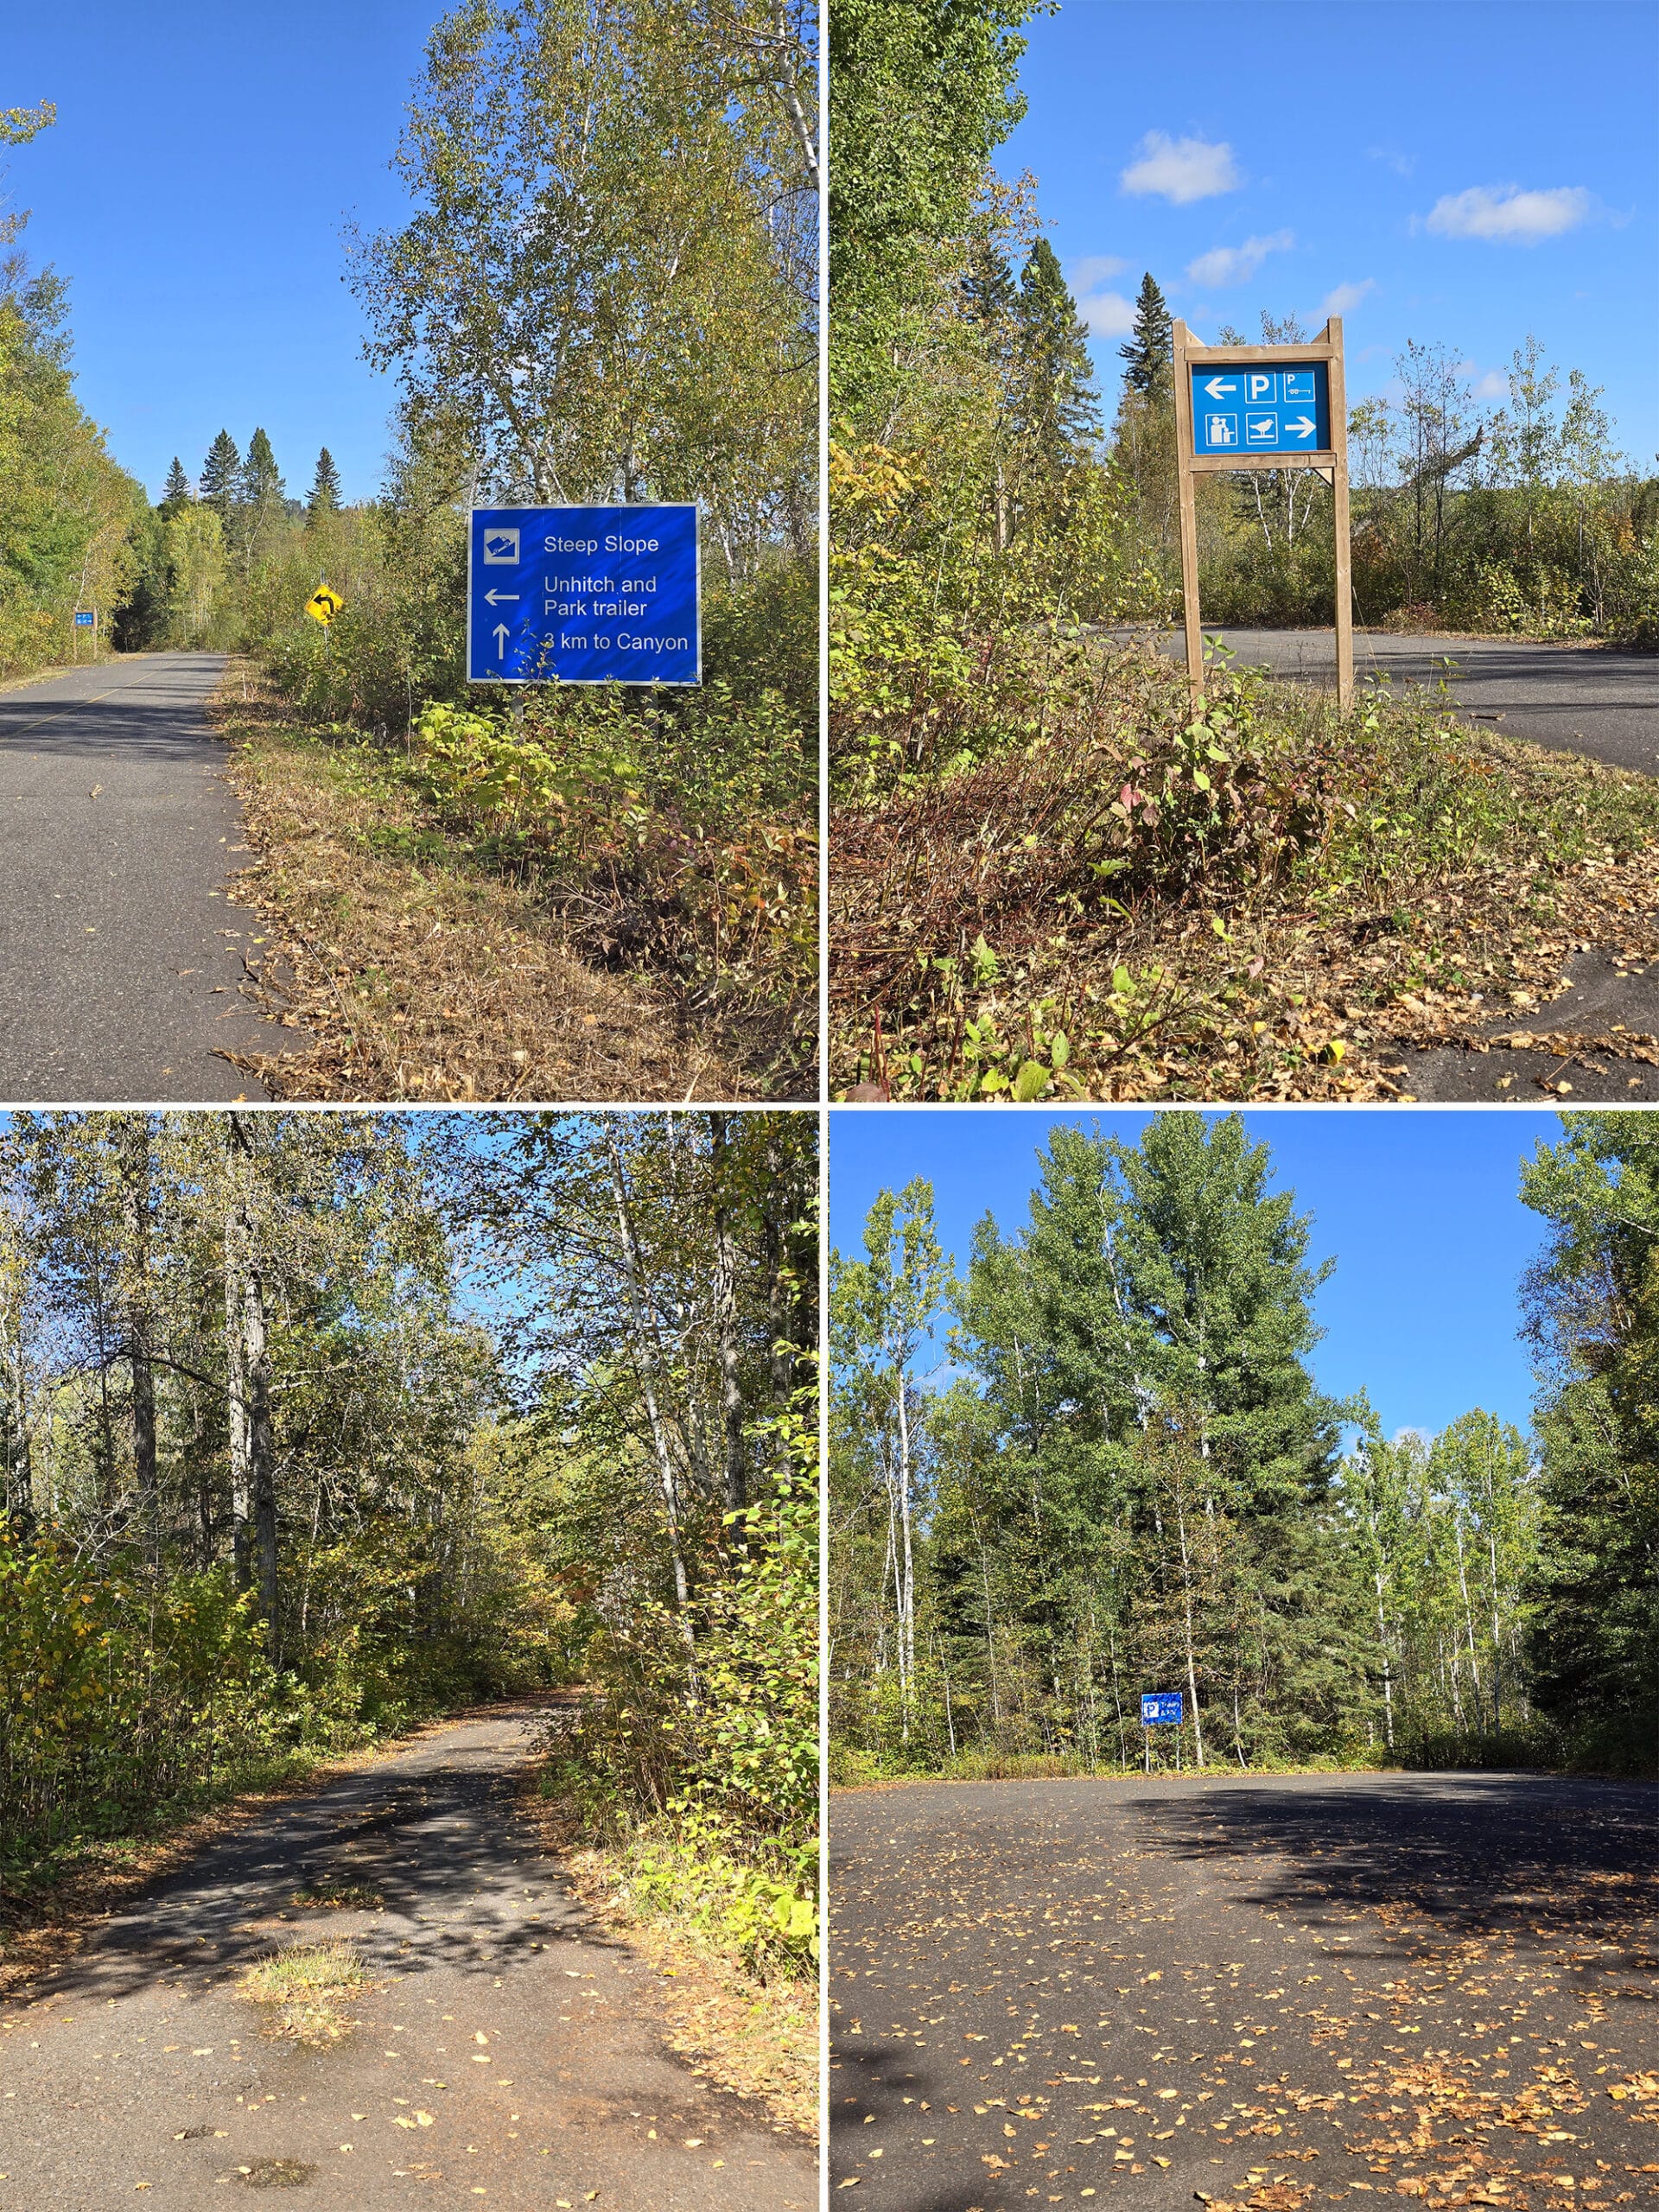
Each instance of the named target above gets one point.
<point>1161,1709</point>
<point>1246,407</point>
<point>583,595</point>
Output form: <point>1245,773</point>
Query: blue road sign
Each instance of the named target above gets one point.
<point>85,621</point>
<point>1162,1708</point>
<point>584,594</point>
<point>1248,410</point>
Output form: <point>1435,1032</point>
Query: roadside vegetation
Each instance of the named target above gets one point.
<point>315,1427</point>
<point>661,840</point>
<point>1052,877</point>
<point>1124,1477</point>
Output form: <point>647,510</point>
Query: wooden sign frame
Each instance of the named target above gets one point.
<point>1331,465</point>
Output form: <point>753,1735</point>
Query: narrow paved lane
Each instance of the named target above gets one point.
<point>1599,700</point>
<point>121,953</point>
<point>503,2051</point>
<point>1441,1989</point>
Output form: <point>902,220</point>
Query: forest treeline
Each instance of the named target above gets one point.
<point>315,1424</point>
<point>606,290</point>
<point>1096,1465</point>
<point>982,484</point>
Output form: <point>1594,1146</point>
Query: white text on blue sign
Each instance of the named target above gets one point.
<point>1250,411</point>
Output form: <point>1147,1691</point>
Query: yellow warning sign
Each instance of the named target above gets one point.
<point>323,605</point>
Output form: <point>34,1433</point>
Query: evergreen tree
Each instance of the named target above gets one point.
<point>1592,1306</point>
<point>1057,410</point>
<point>1149,351</point>
<point>324,496</point>
<point>221,475</point>
<point>176,489</point>
<point>262,482</point>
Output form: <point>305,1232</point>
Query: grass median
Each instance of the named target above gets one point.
<point>424,948</point>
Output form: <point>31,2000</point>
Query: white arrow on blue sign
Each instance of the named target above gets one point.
<point>583,595</point>
<point>1161,1709</point>
<point>1261,410</point>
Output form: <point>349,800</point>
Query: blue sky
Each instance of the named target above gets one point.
<point>1464,171</point>
<point>1420,1210</point>
<point>194,189</point>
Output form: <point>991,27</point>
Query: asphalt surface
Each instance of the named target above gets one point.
<point>527,2038</point>
<point>121,953</point>
<point>1442,1988</point>
<point>1601,995</point>
<point>1600,701</point>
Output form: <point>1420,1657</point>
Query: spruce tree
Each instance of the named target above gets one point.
<point>1057,409</point>
<point>176,490</point>
<point>1148,353</point>
<point>262,482</point>
<point>221,475</point>
<point>324,496</point>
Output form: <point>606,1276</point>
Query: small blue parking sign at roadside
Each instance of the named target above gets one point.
<point>84,620</point>
<point>1161,1709</point>
<point>583,595</point>
<point>1244,410</point>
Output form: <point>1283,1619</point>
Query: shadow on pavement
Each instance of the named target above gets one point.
<point>1440,1857</point>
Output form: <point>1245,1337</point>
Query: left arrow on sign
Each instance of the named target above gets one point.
<point>1221,387</point>
<point>495,598</point>
<point>502,634</point>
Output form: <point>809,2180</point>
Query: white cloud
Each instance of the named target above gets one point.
<point>1107,315</point>
<point>1237,264</point>
<point>1346,297</point>
<point>1493,385</point>
<point>1504,215</point>
<point>1094,269</point>
<point>1402,164</point>
<point>1181,169</point>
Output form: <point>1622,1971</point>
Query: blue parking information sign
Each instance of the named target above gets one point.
<point>84,620</point>
<point>583,595</point>
<point>1162,1709</point>
<point>1245,410</point>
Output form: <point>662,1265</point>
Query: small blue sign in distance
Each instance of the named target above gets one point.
<point>1161,1709</point>
<point>1247,410</point>
<point>83,621</point>
<point>583,595</point>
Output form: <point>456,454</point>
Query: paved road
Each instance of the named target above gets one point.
<point>1600,995</point>
<point>492,2007</point>
<point>1602,703</point>
<point>1401,1986</point>
<point>120,952</point>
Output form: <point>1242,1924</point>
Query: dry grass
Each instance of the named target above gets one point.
<point>427,977</point>
<point>759,2039</point>
<point>1370,890</point>
<point>304,1988</point>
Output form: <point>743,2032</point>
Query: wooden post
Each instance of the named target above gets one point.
<point>1180,337</point>
<point>1339,516</point>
